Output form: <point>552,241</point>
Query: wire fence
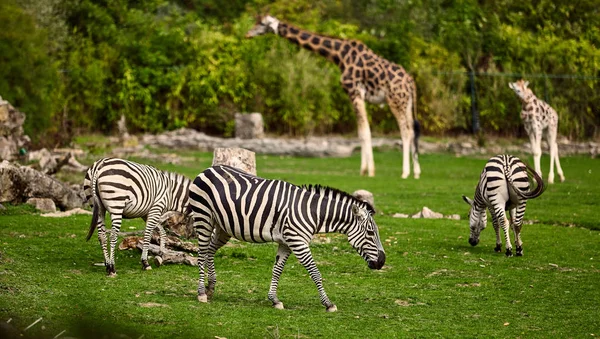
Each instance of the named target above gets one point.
<point>574,96</point>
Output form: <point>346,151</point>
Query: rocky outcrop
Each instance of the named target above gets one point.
<point>20,183</point>
<point>343,147</point>
<point>12,138</point>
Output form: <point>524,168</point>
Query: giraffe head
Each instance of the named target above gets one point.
<point>265,24</point>
<point>521,89</point>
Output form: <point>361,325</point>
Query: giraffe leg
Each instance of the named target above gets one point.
<point>554,160</point>
<point>415,158</point>
<point>367,164</point>
<point>536,150</point>
<point>283,252</point>
<point>218,239</point>
<point>401,109</point>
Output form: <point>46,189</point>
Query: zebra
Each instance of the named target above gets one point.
<point>505,184</point>
<point>131,190</point>
<point>227,202</point>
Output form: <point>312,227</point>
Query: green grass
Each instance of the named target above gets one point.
<point>434,284</point>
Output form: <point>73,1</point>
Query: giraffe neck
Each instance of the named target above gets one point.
<point>528,97</point>
<point>330,48</point>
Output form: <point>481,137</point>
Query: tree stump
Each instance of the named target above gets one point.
<point>239,158</point>
<point>364,196</point>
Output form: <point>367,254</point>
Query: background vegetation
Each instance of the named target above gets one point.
<point>77,65</point>
<point>434,284</point>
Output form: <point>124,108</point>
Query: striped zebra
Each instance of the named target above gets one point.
<point>227,202</point>
<point>505,184</point>
<point>130,190</point>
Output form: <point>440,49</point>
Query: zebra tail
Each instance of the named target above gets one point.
<point>96,202</point>
<point>540,187</point>
<point>94,222</point>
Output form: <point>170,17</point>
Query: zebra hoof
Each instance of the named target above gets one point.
<point>203,298</point>
<point>112,274</point>
<point>498,248</point>
<point>519,252</point>
<point>147,268</point>
<point>278,305</point>
<point>405,175</point>
<point>509,252</point>
<point>332,308</point>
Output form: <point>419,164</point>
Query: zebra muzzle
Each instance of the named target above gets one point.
<point>377,265</point>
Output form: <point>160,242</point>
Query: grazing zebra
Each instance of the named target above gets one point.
<point>248,208</point>
<point>130,190</point>
<point>505,184</point>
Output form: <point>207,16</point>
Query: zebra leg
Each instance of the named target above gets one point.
<point>102,238</point>
<point>218,239</point>
<point>498,247</point>
<point>503,223</point>
<point>151,222</point>
<point>204,229</point>
<point>517,224</point>
<point>302,252</point>
<point>283,252</point>
<point>114,235</point>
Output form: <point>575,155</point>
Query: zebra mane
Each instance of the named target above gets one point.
<point>324,190</point>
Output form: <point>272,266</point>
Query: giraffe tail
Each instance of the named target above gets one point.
<point>417,131</point>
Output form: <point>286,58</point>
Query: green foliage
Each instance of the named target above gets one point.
<point>76,66</point>
<point>28,73</point>
<point>434,284</point>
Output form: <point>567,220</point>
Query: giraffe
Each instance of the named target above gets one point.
<point>365,77</point>
<point>538,116</point>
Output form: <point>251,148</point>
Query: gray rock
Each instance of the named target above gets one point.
<point>249,126</point>
<point>42,204</point>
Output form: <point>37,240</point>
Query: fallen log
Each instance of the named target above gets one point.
<point>168,256</point>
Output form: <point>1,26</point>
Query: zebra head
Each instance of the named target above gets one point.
<point>364,236</point>
<point>477,220</point>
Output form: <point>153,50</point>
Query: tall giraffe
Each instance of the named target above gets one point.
<point>538,116</point>
<point>365,76</point>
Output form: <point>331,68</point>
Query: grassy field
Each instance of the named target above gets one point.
<point>434,284</point>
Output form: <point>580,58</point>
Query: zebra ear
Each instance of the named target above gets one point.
<point>526,84</point>
<point>467,200</point>
<point>356,211</point>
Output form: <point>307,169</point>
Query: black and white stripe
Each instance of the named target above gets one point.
<point>130,190</point>
<point>227,202</point>
<point>505,184</point>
